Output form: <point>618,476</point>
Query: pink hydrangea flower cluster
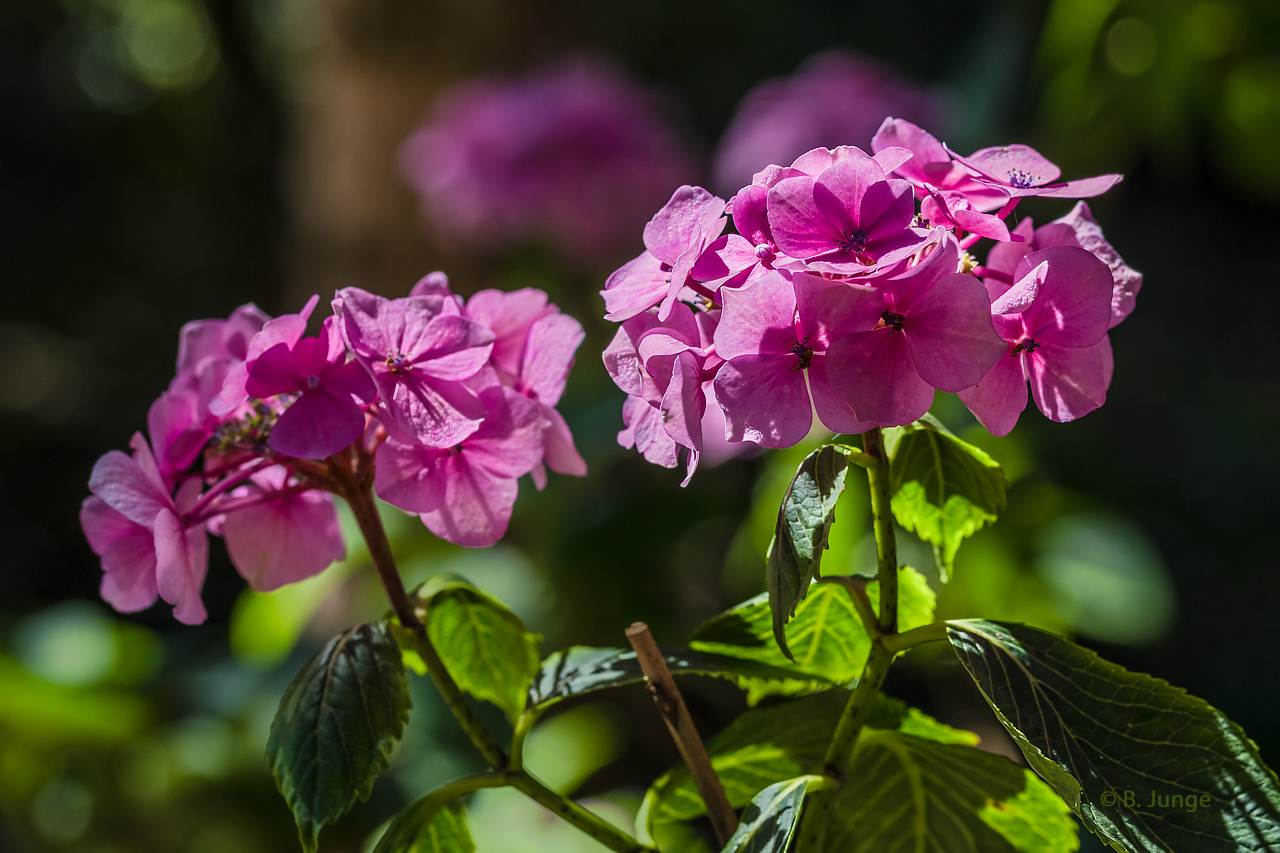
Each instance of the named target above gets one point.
<point>441,404</point>
<point>571,154</point>
<point>848,291</point>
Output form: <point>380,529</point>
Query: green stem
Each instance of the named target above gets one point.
<point>360,497</point>
<point>882,517</point>
<point>524,725</point>
<point>908,639</point>
<point>589,822</point>
<point>857,588</point>
<point>856,455</point>
<point>840,750</point>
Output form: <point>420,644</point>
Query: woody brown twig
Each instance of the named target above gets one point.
<point>671,705</point>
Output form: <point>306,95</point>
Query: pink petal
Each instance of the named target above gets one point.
<point>1127,281</point>
<point>477,505</point>
<point>451,348</point>
<point>432,284</point>
<point>509,443</point>
<point>1006,256</point>
<point>128,556</point>
<point>800,228</point>
<point>1015,165</point>
<point>634,288</point>
<point>316,425</point>
<point>873,373</point>
<point>683,403</point>
<point>178,431</point>
<point>1083,188</point>
<point>1000,397</point>
<point>838,191</point>
<point>1073,306</point>
<point>129,572</point>
<point>558,449</point>
<point>890,158</point>
<point>902,290</point>
<point>509,315</point>
<point>1022,295</point>
<point>311,356</point>
<point>549,356</point>
<point>127,489</point>
<point>284,540</point>
<point>982,224</point>
<point>408,476</point>
<point>750,214</point>
<point>764,400</point>
<point>691,214</point>
<point>351,380</point>
<point>923,146</point>
<point>435,413</point>
<point>102,525</point>
<point>727,262</point>
<point>182,558</point>
<point>834,412</point>
<point>759,318</point>
<point>622,362</point>
<point>949,333</point>
<point>645,431</point>
<point>828,309</point>
<point>1068,383</point>
<point>274,372</point>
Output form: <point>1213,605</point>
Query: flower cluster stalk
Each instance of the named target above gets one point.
<point>360,497</point>
<point>882,629</point>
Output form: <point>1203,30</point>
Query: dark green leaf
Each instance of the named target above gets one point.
<point>428,825</point>
<point>336,726</point>
<point>780,742</point>
<point>484,645</point>
<point>826,636</point>
<point>804,520</point>
<point>904,792</point>
<point>583,669</point>
<point>769,822</point>
<point>1144,765</point>
<point>944,489</point>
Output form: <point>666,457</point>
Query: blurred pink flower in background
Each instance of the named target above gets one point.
<point>832,98</point>
<point>576,154</point>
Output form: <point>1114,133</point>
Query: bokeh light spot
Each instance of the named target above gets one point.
<point>61,811</point>
<point>168,42</point>
<point>1131,46</point>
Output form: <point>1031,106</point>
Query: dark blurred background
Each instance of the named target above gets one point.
<point>168,160</point>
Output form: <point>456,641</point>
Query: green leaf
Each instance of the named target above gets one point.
<point>904,792</point>
<point>1120,746</point>
<point>770,820</point>
<point>944,489</point>
<point>484,645</point>
<point>826,637</point>
<point>768,745</point>
<point>584,669</point>
<point>804,520</point>
<point>428,825</point>
<point>336,726</point>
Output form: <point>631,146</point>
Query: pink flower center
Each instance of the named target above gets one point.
<point>802,351</point>
<point>854,241</point>
<point>313,382</point>
<point>398,362</point>
<point>1021,179</point>
<point>1024,345</point>
<point>893,322</point>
